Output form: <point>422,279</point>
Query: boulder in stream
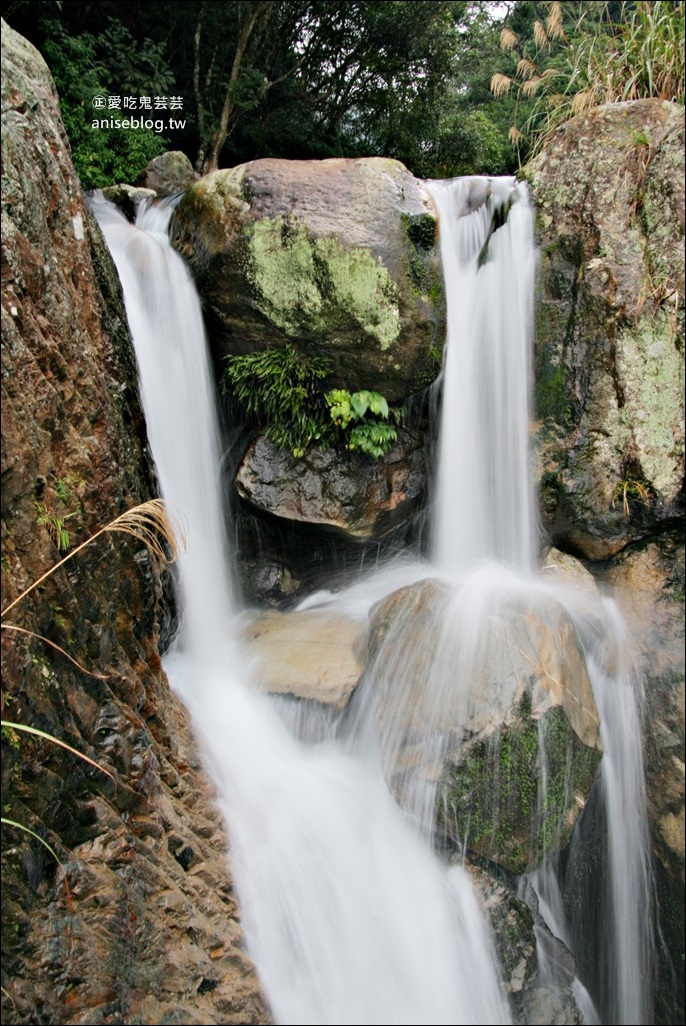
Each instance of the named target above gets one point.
<point>475,692</point>
<point>337,257</point>
<point>358,498</point>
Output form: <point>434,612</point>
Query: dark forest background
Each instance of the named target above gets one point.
<point>446,86</point>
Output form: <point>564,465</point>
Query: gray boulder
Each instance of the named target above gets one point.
<point>335,256</point>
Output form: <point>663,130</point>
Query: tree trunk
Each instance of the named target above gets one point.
<point>208,155</point>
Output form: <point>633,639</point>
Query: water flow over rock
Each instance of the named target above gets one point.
<point>349,917</point>
<point>484,507</point>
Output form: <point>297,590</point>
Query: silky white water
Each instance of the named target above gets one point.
<point>485,512</point>
<point>348,915</point>
<point>484,502</point>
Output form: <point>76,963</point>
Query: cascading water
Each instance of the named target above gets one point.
<point>484,512</point>
<point>484,503</point>
<point>348,915</point>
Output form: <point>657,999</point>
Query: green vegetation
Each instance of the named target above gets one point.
<point>500,801</point>
<point>54,522</point>
<point>285,394</point>
<point>85,66</point>
<point>611,52</point>
<point>631,489</point>
<point>369,414</point>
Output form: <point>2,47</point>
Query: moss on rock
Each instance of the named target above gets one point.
<point>512,797</point>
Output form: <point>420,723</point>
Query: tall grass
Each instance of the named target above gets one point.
<point>561,73</point>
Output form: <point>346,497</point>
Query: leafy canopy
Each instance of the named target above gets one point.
<point>85,66</point>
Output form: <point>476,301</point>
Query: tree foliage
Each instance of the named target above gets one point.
<point>83,66</point>
<point>315,78</point>
<point>293,78</point>
<point>576,56</point>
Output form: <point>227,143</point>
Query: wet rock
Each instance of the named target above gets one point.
<point>311,655</point>
<point>609,193</point>
<point>538,970</point>
<point>168,174</point>
<point>128,198</point>
<point>138,931</point>
<point>336,256</point>
<point>359,498</point>
<point>648,583</point>
<point>474,691</point>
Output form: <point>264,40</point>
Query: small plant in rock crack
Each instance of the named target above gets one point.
<point>284,393</point>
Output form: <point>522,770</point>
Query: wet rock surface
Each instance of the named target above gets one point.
<point>359,498</point>
<point>148,929</point>
<point>311,655</point>
<point>538,971</point>
<point>478,709</point>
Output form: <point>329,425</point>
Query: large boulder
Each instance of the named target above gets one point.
<point>609,192</point>
<point>147,931</point>
<point>359,498</point>
<point>336,256</point>
<point>475,690</point>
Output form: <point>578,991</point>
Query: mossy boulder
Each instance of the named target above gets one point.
<point>337,257</point>
<point>609,193</point>
<point>481,693</point>
<point>515,794</point>
<point>168,173</point>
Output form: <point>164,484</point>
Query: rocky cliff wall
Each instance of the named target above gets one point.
<point>609,389</point>
<point>147,929</point>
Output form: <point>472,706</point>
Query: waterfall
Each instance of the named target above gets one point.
<point>485,512</point>
<point>484,503</point>
<point>348,915</point>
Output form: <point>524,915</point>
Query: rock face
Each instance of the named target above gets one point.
<point>473,691</point>
<point>609,190</point>
<point>336,256</point>
<point>147,931</point>
<point>359,498</point>
<point>311,655</point>
<point>168,174</point>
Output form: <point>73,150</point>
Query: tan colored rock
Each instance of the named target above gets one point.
<point>472,690</point>
<point>312,655</point>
